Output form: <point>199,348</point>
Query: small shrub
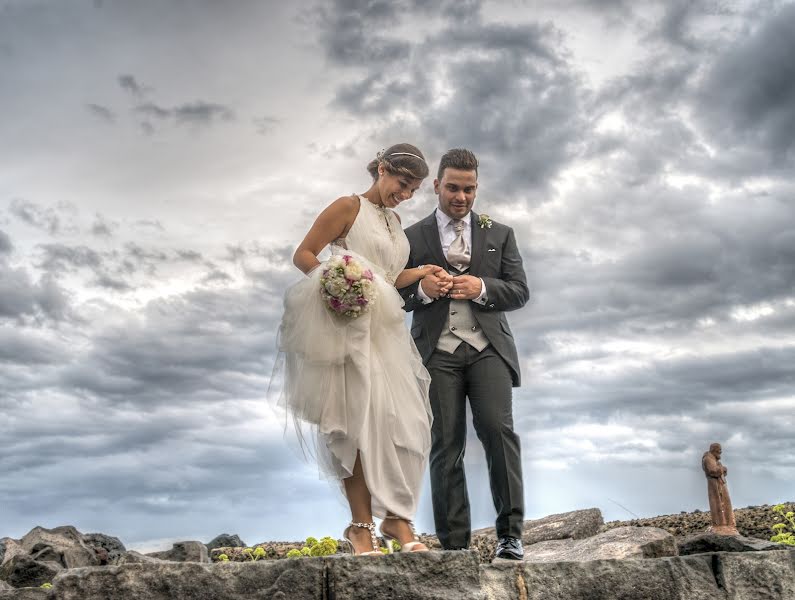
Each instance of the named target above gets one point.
<point>785,529</point>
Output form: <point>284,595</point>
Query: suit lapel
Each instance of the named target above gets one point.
<point>478,243</point>
<point>430,230</point>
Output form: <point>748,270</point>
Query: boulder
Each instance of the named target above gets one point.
<point>576,524</point>
<point>752,575</point>
<point>25,594</point>
<point>450,575</point>
<point>5,586</point>
<point>710,542</point>
<point>671,578</point>
<point>23,571</point>
<point>276,580</point>
<point>112,546</point>
<point>618,543</point>
<point>184,552</point>
<point>2,549</point>
<point>226,540</point>
<point>134,558</point>
<point>63,545</point>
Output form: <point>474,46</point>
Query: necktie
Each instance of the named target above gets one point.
<point>458,254</point>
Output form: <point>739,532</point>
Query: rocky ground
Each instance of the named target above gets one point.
<point>752,521</point>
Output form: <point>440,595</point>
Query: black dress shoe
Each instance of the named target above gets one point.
<point>509,547</point>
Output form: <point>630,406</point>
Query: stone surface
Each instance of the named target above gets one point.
<point>710,542</point>
<point>184,552</point>
<point>23,571</point>
<point>25,594</point>
<point>619,543</point>
<point>410,576</point>
<point>673,578</point>
<point>112,545</point>
<point>225,540</point>
<point>61,544</point>
<point>576,524</point>
<point>5,586</point>
<point>261,580</point>
<point>2,549</point>
<point>136,558</point>
<point>757,575</point>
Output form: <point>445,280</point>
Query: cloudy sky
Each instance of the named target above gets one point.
<point>161,159</point>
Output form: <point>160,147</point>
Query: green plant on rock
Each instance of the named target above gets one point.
<point>314,547</point>
<point>46,586</point>
<point>223,558</point>
<point>785,529</point>
<point>254,553</point>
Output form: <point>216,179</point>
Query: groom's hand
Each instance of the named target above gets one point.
<point>436,284</point>
<point>465,287</point>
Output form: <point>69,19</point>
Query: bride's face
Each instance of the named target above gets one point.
<point>395,189</point>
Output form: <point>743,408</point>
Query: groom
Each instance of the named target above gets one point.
<point>467,346</point>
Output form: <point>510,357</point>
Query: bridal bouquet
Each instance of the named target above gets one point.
<point>347,286</point>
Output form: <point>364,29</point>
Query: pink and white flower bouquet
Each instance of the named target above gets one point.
<point>347,286</point>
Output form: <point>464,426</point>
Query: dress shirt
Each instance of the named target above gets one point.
<point>446,236</point>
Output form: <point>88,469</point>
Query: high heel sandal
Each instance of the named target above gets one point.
<point>373,539</point>
<point>408,546</point>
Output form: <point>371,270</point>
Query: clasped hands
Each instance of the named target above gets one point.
<point>437,283</point>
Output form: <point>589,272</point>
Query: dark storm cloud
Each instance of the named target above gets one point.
<point>505,90</point>
<point>101,112</point>
<point>129,84</point>
<point>21,296</point>
<point>36,215</point>
<point>193,113</point>
<point>6,247</point>
<point>748,95</point>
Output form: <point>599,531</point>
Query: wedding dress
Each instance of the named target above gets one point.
<point>358,384</point>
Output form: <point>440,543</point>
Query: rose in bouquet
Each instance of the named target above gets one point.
<point>347,286</point>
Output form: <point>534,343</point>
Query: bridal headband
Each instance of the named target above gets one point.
<point>381,155</point>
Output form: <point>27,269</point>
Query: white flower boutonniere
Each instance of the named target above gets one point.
<point>484,221</point>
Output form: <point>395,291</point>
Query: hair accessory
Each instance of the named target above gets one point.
<point>380,154</point>
<point>407,154</point>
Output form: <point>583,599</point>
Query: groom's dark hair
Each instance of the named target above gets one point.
<point>458,158</point>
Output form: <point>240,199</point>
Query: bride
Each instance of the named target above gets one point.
<point>359,383</point>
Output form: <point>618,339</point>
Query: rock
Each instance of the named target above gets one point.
<point>672,578</point>
<point>5,586</point>
<point>2,549</point>
<point>184,552</point>
<point>752,575</point>
<point>23,571</point>
<point>63,545</point>
<point>410,576</point>
<point>276,580</point>
<point>226,540</point>
<point>25,594</point>
<point>710,542</point>
<point>135,558</point>
<point>111,545</point>
<point>575,524</point>
<point>618,543</point>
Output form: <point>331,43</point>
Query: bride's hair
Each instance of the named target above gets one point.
<point>400,159</point>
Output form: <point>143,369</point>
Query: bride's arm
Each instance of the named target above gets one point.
<point>409,276</point>
<point>333,223</point>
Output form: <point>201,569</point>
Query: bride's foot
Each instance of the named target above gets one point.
<point>402,530</point>
<point>361,539</point>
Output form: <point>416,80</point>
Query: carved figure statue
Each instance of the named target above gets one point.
<point>720,505</point>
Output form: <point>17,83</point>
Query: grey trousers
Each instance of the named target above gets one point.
<point>485,379</point>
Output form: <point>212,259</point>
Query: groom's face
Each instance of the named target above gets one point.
<point>456,190</point>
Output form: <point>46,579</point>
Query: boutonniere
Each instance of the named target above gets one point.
<point>485,221</point>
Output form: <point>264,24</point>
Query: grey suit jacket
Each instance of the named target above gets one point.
<point>496,260</point>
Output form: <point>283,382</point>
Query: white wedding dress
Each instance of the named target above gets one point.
<point>358,383</point>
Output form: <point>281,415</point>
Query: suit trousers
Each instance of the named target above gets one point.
<point>485,379</point>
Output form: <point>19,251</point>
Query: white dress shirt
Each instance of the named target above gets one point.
<point>446,236</point>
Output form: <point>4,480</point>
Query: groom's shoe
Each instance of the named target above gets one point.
<point>510,548</point>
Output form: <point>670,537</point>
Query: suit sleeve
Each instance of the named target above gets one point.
<point>508,291</point>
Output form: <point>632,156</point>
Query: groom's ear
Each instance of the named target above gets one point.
<point>436,184</point>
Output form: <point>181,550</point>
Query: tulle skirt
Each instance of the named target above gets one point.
<point>357,385</point>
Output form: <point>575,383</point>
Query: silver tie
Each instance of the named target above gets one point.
<point>458,254</point>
